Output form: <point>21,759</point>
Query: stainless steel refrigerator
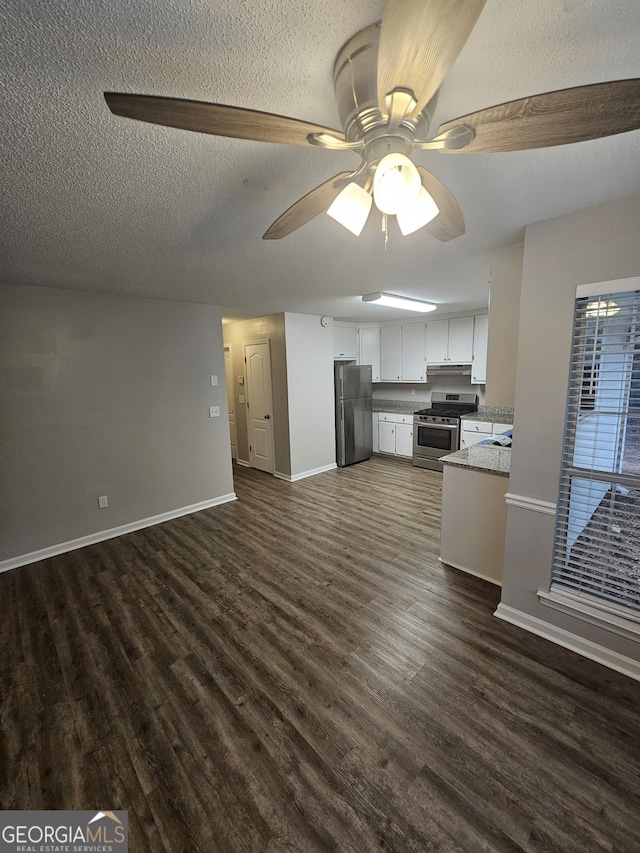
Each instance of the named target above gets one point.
<point>354,431</point>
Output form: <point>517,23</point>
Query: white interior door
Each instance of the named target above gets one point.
<point>259,405</point>
<point>231,402</point>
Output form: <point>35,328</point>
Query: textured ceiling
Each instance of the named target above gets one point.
<point>96,202</point>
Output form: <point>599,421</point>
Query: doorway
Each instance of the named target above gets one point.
<point>257,362</point>
<point>231,400</point>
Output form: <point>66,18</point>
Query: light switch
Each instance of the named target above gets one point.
<point>214,380</point>
<point>241,398</point>
<point>214,411</point>
<point>240,380</point>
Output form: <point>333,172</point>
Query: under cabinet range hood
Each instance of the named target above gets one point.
<point>459,369</point>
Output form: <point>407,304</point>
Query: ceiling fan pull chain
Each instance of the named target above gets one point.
<point>385,231</point>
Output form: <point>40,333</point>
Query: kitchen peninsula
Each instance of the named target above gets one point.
<point>474,512</point>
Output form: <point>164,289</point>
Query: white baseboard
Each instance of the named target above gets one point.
<point>292,478</point>
<point>469,572</point>
<point>111,533</point>
<point>243,462</point>
<point>593,651</point>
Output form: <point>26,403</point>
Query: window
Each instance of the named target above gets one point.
<point>597,542</point>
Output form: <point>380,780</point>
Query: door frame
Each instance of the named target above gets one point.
<point>228,348</point>
<point>246,344</point>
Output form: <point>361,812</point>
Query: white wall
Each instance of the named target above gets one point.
<point>105,395</point>
<point>310,385</point>
<point>600,243</point>
<point>504,317</point>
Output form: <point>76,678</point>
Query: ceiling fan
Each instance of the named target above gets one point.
<point>386,81</point>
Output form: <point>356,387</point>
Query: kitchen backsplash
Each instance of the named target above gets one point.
<point>449,384</point>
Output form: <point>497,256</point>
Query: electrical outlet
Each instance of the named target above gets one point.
<point>214,380</point>
<point>413,392</point>
<point>103,502</point>
<point>214,411</point>
<point>241,398</point>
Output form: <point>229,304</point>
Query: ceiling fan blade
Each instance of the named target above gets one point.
<point>553,118</point>
<point>419,42</point>
<point>449,223</point>
<point>218,119</point>
<point>307,207</point>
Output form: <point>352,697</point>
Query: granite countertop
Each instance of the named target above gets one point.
<point>398,407</point>
<point>481,457</point>
<point>491,414</point>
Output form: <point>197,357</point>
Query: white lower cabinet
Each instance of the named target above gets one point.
<point>473,432</point>
<point>404,439</point>
<point>386,437</point>
<point>395,434</point>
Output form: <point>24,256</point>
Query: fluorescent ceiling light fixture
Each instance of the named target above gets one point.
<point>417,213</point>
<point>351,208</point>
<point>396,183</point>
<point>392,301</point>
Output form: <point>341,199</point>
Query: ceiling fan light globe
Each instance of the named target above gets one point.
<point>417,213</point>
<point>396,182</point>
<point>351,208</point>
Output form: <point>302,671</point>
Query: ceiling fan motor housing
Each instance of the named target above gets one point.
<point>355,79</point>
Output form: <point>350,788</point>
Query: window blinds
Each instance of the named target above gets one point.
<point>597,541</point>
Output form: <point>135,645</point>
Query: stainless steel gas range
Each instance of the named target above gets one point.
<point>436,430</point>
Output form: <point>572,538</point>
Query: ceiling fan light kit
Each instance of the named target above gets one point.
<point>396,183</point>
<point>417,213</point>
<point>351,208</point>
<point>390,300</point>
<point>386,82</point>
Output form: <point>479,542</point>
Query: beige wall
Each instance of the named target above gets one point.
<point>105,395</point>
<point>310,384</point>
<point>600,243</point>
<point>504,318</point>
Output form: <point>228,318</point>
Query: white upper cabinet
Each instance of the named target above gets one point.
<point>480,340</point>
<point>391,353</point>
<point>345,340</point>
<point>369,349</point>
<point>450,341</point>
<point>437,342</point>
<point>461,340</point>
<point>413,363</point>
<point>402,353</point>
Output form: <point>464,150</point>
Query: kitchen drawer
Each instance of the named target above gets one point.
<point>404,419</point>
<point>500,428</point>
<point>477,426</point>
<point>386,416</point>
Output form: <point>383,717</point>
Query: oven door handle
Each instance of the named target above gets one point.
<point>450,427</point>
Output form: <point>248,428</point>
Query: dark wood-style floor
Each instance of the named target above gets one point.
<point>296,671</point>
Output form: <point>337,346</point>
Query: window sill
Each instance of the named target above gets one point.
<point>603,616</point>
